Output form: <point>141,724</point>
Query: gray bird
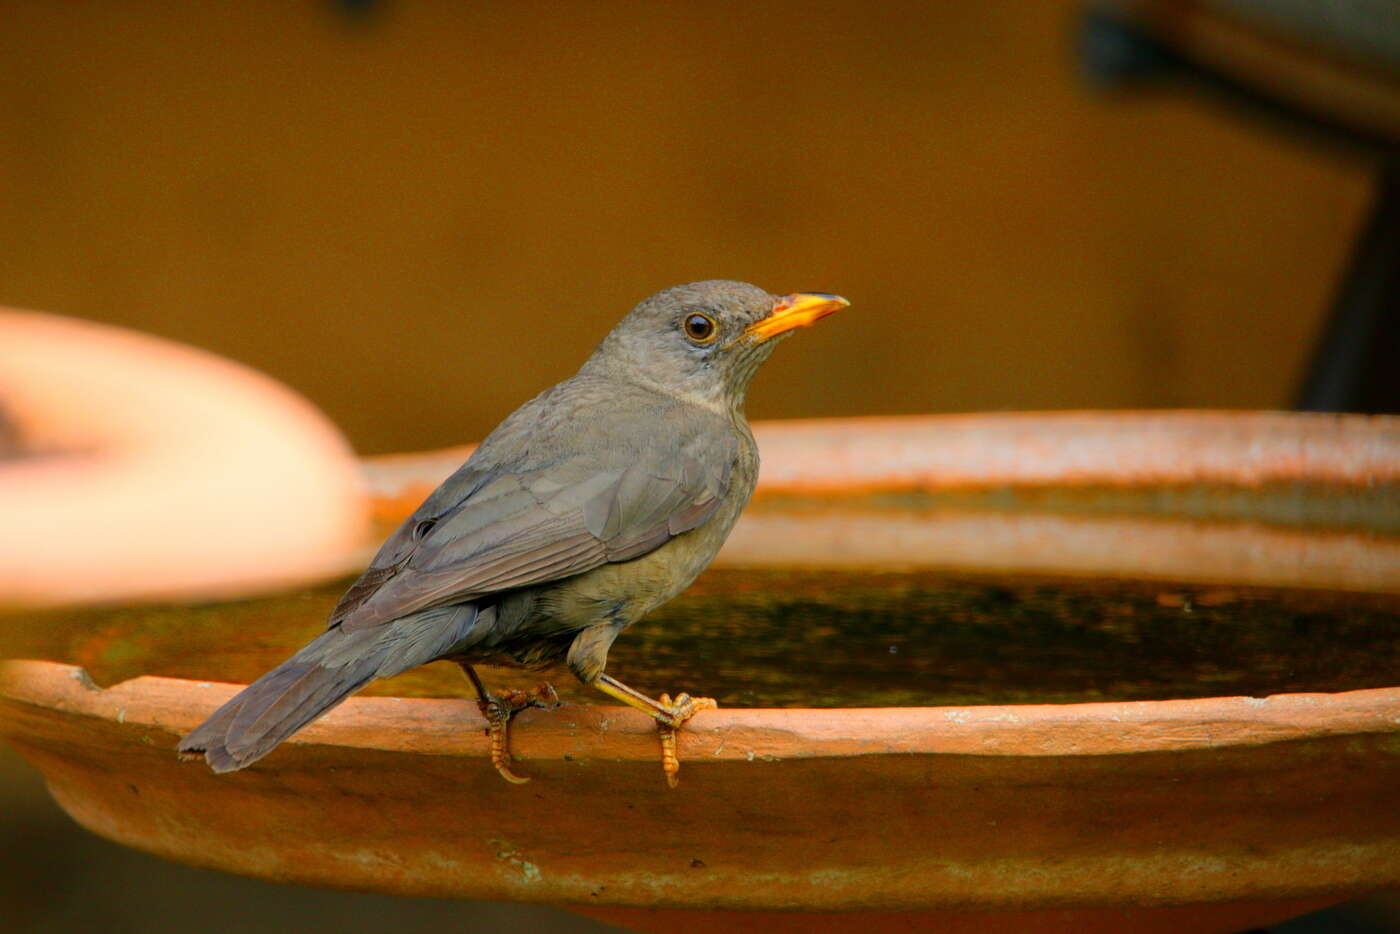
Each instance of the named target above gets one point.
<point>592,504</point>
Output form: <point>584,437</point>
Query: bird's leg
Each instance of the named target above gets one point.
<point>499,708</point>
<point>669,714</point>
<point>588,655</point>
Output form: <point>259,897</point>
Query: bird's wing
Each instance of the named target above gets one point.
<point>516,529</point>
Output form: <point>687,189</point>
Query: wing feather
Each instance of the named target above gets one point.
<point>518,529</point>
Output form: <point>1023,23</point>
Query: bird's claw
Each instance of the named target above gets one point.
<point>498,709</point>
<point>678,711</point>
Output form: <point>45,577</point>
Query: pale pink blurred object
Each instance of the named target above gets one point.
<point>161,471</point>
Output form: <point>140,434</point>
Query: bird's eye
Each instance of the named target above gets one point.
<point>699,328</point>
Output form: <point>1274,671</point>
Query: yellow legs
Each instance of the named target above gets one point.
<point>670,714</point>
<point>498,709</point>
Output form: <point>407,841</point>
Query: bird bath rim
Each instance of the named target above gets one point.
<point>843,462</point>
<point>1099,728</point>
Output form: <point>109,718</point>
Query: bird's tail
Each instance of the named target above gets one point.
<point>325,672</point>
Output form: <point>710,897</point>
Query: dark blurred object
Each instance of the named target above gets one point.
<point>357,11</point>
<point>1356,366</point>
<point>1327,72</point>
<point>9,436</point>
<point>1329,84</point>
<point>356,7</point>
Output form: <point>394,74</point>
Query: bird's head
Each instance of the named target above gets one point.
<point>705,340</point>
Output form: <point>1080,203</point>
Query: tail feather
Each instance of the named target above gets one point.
<point>287,684</point>
<point>270,717</point>
<point>325,672</point>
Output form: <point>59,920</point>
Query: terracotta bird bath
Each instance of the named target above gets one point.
<point>1036,673</point>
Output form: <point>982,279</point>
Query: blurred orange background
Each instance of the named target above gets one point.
<point>422,215</point>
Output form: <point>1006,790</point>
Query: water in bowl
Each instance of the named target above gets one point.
<point>788,638</point>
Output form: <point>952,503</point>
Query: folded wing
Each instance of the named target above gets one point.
<point>516,529</point>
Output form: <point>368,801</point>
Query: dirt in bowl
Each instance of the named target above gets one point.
<point>782,638</point>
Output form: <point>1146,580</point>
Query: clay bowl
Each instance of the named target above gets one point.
<point>1039,673</point>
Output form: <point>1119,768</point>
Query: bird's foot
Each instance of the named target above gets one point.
<point>673,716</point>
<point>499,709</point>
<point>670,714</point>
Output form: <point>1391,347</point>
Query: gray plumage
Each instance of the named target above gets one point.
<point>599,499</point>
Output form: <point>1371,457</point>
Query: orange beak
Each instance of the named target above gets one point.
<point>795,311</point>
